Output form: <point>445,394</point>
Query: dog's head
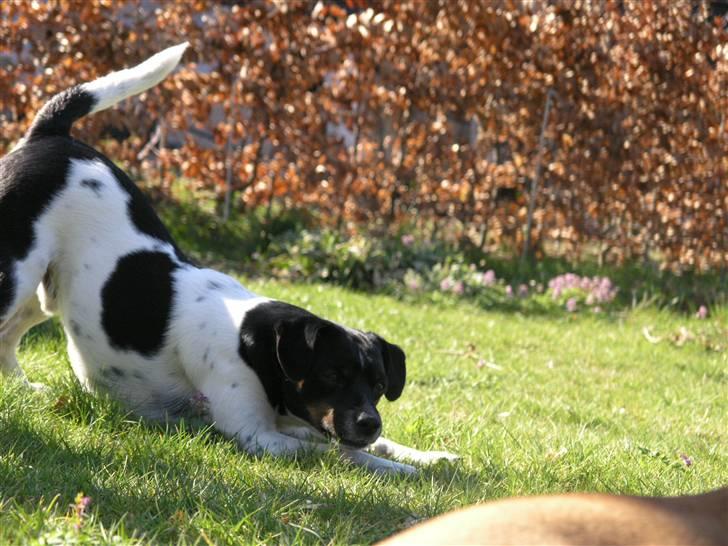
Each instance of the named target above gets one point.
<point>333,377</point>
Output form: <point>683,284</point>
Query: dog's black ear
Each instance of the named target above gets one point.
<point>295,340</point>
<point>394,366</point>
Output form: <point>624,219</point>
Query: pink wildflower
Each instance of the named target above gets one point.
<point>571,305</point>
<point>686,460</point>
<point>83,505</point>
<point>80,507</point>
<point>702,313</point>
<point>488,278</point>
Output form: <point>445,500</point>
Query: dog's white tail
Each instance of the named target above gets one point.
<point>59,113</point>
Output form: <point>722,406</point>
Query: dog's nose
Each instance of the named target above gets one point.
<point>367,424</point>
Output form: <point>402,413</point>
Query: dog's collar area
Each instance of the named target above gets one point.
<point>287,379</point>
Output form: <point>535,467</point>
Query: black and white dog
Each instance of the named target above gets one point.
<point>78,239</point>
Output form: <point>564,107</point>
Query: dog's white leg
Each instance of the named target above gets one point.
<point>239,408</point>
<point>20,308</point>
<point>388,448</point>
<point>376,464</point>
<point>256,435</point>
<point>298,428</point>
<point>301,433</point>
<point>279,444</point>
<point>11,332</point>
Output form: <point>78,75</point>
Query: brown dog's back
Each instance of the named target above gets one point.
<point>593,519</point>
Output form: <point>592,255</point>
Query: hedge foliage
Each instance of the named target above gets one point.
<point>396,111</point>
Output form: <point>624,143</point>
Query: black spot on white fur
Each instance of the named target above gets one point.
<point>141,213</point>
<point>76,328</point>
<point>92,184</point>
<point>137,302</point>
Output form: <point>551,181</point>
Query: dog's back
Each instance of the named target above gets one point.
<point>67,213</point>
<point>573,519</point>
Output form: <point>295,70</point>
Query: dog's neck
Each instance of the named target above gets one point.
<point>258,350</point>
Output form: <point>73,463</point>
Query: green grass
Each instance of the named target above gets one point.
<point>533,404</point>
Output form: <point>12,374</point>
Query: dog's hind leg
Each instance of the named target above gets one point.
<point>19,279</point>
<point>12,330</point>
<point>22,283</point>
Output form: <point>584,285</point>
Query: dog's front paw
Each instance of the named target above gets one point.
<point>431,457</point>
<point>395,469</point>
<point>383,467</point>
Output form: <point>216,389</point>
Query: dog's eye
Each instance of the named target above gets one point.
<point>333,378</point>
<point>379,388</point>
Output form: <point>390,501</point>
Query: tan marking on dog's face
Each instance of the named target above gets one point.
<point>323,416</point>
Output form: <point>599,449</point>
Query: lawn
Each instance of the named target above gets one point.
<point>628,401</point>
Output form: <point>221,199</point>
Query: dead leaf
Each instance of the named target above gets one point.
<point>682,336</point>
<point>649,337</point>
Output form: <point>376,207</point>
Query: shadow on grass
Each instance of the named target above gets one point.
<point>160,490</point>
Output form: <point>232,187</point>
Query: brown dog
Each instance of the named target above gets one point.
<point>593,519</point>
